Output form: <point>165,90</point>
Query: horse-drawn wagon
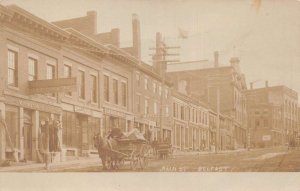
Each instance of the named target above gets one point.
<point>115,152</point>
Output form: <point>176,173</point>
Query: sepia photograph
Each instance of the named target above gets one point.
<point>150,88</point>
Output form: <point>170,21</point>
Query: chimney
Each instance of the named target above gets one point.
<point>115,37</point>
<point>216,59</point>
<point>93,19</point>
<point>136,36</point>
<point>159,66</point>
<point>251,86</point>
<point>266,84</point>
<point>234,60</point>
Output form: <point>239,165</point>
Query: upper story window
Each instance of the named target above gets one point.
<point>32,69</point>
<point>182,112</point>
<point>115,91</point>
<point>67,71</point>
<point>138,104</point>
<point>94,88</point>
<point>174,109</point>
<point>166,93</point>
<point>138,79</point>
<point>154,87</point>
<point>167,111</point>
<point>146,106</point>
<point>12,68</point>
<point>124,94</point>
<point>155,107</point>
<point>81,89</point>
<point>106,88</point>
<point>159,90</point>
<point>68,74</point>
<point>50,74</point>
<point>146,84</point>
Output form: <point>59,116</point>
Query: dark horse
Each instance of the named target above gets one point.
<point>104,147</point>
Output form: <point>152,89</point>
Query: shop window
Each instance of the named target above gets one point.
<point>12,119</point>
<point>93,129</point>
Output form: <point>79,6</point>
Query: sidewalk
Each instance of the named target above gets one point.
<point>41,167</point>
<point>94,161</point>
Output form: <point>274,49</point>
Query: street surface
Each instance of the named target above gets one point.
<point>259,160</point>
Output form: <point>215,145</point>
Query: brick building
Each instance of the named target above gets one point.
<point>36,55</point>
<point>272,115</point>
<point>190,123</point>
<point>232,90</point>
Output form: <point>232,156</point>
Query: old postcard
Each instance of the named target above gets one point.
<point>163,87</point>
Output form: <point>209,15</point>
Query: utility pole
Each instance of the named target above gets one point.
<point>217,81</point>
<point>218,121</point>
<point>160,64</point>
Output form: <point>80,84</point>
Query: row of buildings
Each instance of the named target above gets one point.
<point>69,72</point>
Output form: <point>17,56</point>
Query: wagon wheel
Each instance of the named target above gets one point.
<point>134,160</point>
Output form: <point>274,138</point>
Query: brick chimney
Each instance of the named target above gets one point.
<point>266,84</point>
<point>92,15</point>
<point>136,36</point>
<point>115,37</point>
<point>216,59</point>
<point>158,65</point>
<point>234,60</point>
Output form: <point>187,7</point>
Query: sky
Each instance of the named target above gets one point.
<point>266,38</point>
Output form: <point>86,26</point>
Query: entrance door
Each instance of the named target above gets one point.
<point>28,141</point>
<point>82,129</point>
<point>27,134</point>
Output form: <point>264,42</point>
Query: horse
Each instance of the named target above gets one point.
<point>104,146</point>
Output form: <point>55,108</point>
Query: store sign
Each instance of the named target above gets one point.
<point>32,105</point>
<point>115,113</point>
<point>82,110</point>
<point>53,86</point>
<point>266,138</point>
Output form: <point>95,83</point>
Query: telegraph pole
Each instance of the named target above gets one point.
<point>218,121</point>
<point>216,81</point>
<point>160,63</point>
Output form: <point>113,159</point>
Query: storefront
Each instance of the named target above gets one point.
<point>181,136</point>
<point>148,128</point>
<point>117,119</point>
<point>79,127</point>
<point>23,120</point>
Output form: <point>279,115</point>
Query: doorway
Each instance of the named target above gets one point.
<point>82,132</point>
<point>27,134</point>
<point>28,141</point>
